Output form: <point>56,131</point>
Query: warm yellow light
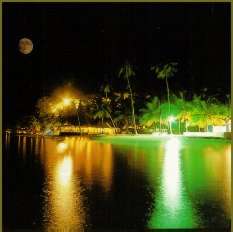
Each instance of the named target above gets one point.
<point>54,109</point>
<point>61,147</point>
<point>77,102</point>
<point>65,171</point>
<point>66,101</point>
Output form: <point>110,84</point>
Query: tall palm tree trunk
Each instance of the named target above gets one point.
<point>112,122</point>
<point>168,95</point>
<point>132,106</point>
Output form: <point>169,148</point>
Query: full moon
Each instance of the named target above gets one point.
<point>25,46</point>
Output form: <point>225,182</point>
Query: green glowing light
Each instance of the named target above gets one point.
<point>171,118</point>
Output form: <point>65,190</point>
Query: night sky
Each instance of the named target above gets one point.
<point>87,43</point>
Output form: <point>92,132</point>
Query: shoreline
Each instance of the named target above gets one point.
<point>145,136</point>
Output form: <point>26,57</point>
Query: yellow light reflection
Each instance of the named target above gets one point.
<point>37,145</point>
<point>7,139</point>
<point>65,162</point>
<point>65,171</point>
<point>24,146</point>
<point>19,143</point>
<point>64,208</point>
<point>218,164</point>
<point>62,147</point>
<point>31,144</point>
<point>227,185</point>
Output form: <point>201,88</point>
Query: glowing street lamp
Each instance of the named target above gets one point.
<point>170,120</point>
<point>66,101</point>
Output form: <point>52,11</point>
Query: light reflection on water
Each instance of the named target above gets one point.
<point>183,183</point>
<point>171,176</point>
<point>175,169</point>
<point>63,207</point>
<point>66,162</point>
<point>173,208</point>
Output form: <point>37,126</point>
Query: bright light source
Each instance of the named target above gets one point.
<point>171,118</point>
<point>66,101</point>
<point>61,147</point>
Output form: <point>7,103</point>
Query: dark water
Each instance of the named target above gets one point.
<point>78,184</point>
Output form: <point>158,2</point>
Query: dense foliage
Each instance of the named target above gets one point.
<point>119,108</point>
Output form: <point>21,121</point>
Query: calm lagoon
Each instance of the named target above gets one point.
<point>121,182</point>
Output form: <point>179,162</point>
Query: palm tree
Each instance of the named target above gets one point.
<point>151,115</point>
<point>164,72</point>
<point>184,113</point>
<point>100,114</point>
<point>122,114</point>
<point>209,112</point>
<point>219,113</point>
<point>121,96</point>
<point>166,110</point>
<point>198,108</point>
<point>106,90</point>
<point>101,110</point>
<point>126,72</point>
<point>203,112</point>
<point>106,103</point>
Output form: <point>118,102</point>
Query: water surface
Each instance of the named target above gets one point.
<point>79,184</point>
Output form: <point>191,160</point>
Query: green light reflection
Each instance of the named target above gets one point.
<point>172,208</point>
<point>189,178</point>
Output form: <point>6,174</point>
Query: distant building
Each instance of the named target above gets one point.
<point>225,128</point>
